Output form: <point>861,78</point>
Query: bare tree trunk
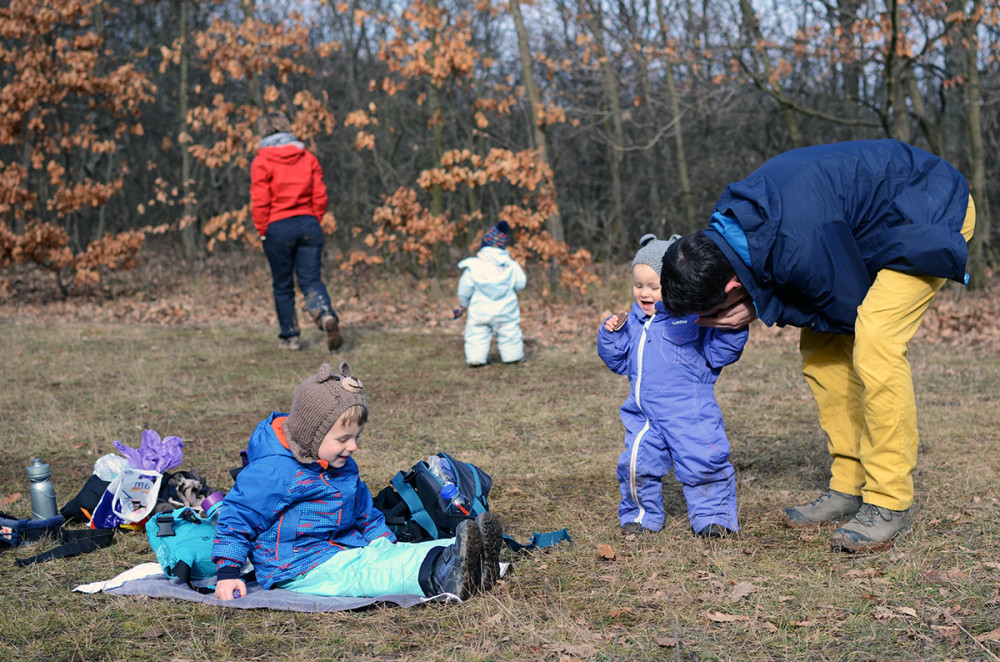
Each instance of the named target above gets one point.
<point>687,196</point>
<point>752,24</point>
<point>927,125</point>
<point>850,69</point>
<point>609,86</point>
<point>954,100</point>
<point>189,220</point>
<point>900,115</point>
<point>434,105</point>
<point>254,90</point>
<point>977,158</point>
<point>554,223</point>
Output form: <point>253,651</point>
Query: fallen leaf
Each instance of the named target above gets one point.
<point>14,497</point>
<point>741,590</point>
<point>807,623</point>
<point>666,642</point>
<point>861,573</point>
<point>576,651</point>
<point>615,613</point>
<point>153,633</point>
<point>993,635</point>
<point>719,617</point>
<point>932,575</point>
<point>883,613</point>
<point>606,552</point>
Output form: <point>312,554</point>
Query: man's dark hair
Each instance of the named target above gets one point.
<point>694,276</point>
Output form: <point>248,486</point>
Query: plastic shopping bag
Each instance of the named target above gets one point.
<point>128,500</point>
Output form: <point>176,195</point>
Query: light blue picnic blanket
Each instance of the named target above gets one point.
<point>148,579</point>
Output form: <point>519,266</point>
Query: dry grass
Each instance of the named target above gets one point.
<point>548,432</point>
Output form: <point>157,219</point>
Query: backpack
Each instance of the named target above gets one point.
<point>182,541</point>
<point>414,509</point>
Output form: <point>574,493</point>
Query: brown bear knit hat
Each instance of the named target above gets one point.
<point>318,402</point>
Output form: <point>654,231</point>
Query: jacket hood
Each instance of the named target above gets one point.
<point>264,443</point>
<point>491,268</point>
<point>281,148</point>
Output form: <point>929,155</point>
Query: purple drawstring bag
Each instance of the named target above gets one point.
<point>154,453</point>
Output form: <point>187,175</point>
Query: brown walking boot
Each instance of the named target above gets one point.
<point>830,507</point>
<point>872,529</point>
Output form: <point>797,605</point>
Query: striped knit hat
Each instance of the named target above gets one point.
<point>497,236</point>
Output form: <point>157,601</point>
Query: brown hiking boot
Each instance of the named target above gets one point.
<point>830,507</point>
<point>872,529</point>
<point>457,570</point>
<point>491,533</point>
<point>331,325</point>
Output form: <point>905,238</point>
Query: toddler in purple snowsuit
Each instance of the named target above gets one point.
<point>671,416</point>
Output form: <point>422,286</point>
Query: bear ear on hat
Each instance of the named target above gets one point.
<point>348,380</point>
<point>324,373</point>
<point>646,238</point>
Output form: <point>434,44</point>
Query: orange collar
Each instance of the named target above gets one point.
<point>278,425</point>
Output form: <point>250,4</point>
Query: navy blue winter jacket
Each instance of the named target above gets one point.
<point>808,231</point>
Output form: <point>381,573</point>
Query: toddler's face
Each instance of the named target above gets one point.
<point>338,444</point>
<point>646,287</point>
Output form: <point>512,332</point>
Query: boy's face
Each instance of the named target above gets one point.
<point>646,287</point>
<point>338,444</point>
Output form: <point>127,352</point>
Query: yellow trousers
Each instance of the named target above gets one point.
<point>864,390</point>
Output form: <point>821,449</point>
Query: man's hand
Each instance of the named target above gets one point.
<point>734,317</point>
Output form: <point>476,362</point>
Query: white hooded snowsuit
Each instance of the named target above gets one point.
<point>488,291</point>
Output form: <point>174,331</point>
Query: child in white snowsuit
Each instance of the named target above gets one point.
<point>488,290</point>
<point>671,416</point>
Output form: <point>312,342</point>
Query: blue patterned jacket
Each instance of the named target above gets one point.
<point>287,517</point>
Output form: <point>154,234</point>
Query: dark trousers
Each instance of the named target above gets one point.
<point>294,249</point>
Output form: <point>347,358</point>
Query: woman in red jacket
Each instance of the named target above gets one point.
<point>288,197</point>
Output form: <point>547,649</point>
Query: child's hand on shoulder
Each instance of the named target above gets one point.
<point>615,322</point>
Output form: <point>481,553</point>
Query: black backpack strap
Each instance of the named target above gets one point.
<point>182,571</point>
<point>75,542</point>
<point>416,506</point>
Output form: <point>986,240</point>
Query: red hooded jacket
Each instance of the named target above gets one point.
<point>285,181</point>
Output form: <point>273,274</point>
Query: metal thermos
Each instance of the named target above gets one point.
<point>43,495</point>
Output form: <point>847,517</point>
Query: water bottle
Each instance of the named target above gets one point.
<point>210,505</point>
<point>458,505</point>
<point>434,466</point>
<point>43,495</point>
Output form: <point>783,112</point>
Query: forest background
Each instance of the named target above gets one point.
<point>583,123</point>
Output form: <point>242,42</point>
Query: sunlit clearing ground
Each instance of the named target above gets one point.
<point>548,432</point>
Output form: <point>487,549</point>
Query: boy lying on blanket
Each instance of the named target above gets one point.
<point>300,512</point>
